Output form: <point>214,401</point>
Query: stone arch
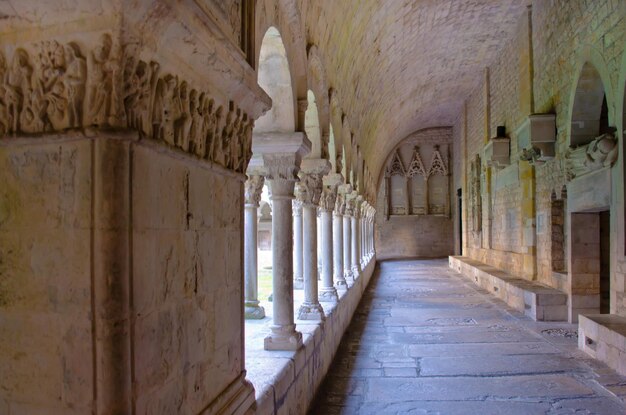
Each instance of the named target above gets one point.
<point>316,77</point>
<point>591,101</point>
<point>333,152</point>
<point>285,17</point>
<point>346,135</point>
<point>312,126</point>
<point>274,77</point>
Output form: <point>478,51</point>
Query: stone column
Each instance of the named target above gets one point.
<point>347,239</point>
<point>319,242</point>
<point>253,189</point>
<point>328,291</point>
<point>282,155</point>
<point>356,261</point>
<point>340,279</point>
<point>309,193</point>
<point>298,280</point>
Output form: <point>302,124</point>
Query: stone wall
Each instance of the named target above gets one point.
<point>118,257</point>
<point>537,72</point>
<point>121,211</point>
<point>419,235</point>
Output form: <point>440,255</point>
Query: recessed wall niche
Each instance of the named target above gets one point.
<point>417,178</point>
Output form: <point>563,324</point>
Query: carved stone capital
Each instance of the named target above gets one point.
<point>328,198</point>
<point>309,188</point>
<point>296,207</point>
<point>253,188</point>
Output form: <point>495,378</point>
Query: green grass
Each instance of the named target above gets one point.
<point>265,283</point>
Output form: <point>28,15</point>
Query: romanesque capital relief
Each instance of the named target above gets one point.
<point>309,188</point>
<point>50,86</point>
<point>253,188</point>
<point>328,198</point>
<point>340,205</point>
<point>599,153</point>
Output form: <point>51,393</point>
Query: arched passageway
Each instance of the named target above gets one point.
<point>426,340</point>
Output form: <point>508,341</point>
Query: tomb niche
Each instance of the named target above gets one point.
<point>418,190</point>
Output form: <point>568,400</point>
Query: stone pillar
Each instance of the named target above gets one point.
<point>252,193</point>
<point>356,262</point>
<point>309,193</point>
<point>282,155</point>
<point>327,204</point>
<point>298,280</point>
<point>347,239</point>
<point>340,279</point>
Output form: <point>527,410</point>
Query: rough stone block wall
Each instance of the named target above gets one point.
<point>525,80</point>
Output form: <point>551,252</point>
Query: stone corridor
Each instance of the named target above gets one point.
<point>425,340</point>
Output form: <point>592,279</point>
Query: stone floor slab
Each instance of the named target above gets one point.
<point>425,341</point>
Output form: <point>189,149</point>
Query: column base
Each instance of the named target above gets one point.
<point>341,284</point>
<point>298,284</point>
<point>328,295</point>
<point>253,311</point>
<point>348,276</point>
<point>283,338</point>
<point>309,311</point>
<point>356,272</point>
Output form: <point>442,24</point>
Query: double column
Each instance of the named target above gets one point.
<point>281,158</point>
<point>348,212</point>
<point>252,194</point>
<point>309,193</point>
<point>356,201</point>
<point>328,292</point>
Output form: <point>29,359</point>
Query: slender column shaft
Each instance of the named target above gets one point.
<point>340,279</point>
<point>347,250</point>
<point>284,335</point>
<point>356,262</point>
<point>311,308</point>
<point>252,192</point>
<point>298,282</point>
<point>328,291</point>
<point>252,308</point>
<point>319,243</point>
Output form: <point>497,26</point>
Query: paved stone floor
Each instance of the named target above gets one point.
<point>425,340</point>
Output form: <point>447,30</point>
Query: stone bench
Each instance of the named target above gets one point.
<point>603,337</point>
<point>537,301</point>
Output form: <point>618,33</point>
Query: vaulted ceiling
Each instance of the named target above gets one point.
<point>402,65</point>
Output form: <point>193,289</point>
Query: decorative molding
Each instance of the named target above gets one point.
<point>417,165</point>
<point>396,167</point>
<point>52,87</point>
<point>437,164</point>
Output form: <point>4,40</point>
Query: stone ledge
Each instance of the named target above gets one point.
<point>603,337</point>
<point>537,301</point>
<point>286,381</point>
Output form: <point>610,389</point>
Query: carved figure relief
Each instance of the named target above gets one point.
<point>60,87</point>
<point>475,194</point>
<point>599,153</point>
